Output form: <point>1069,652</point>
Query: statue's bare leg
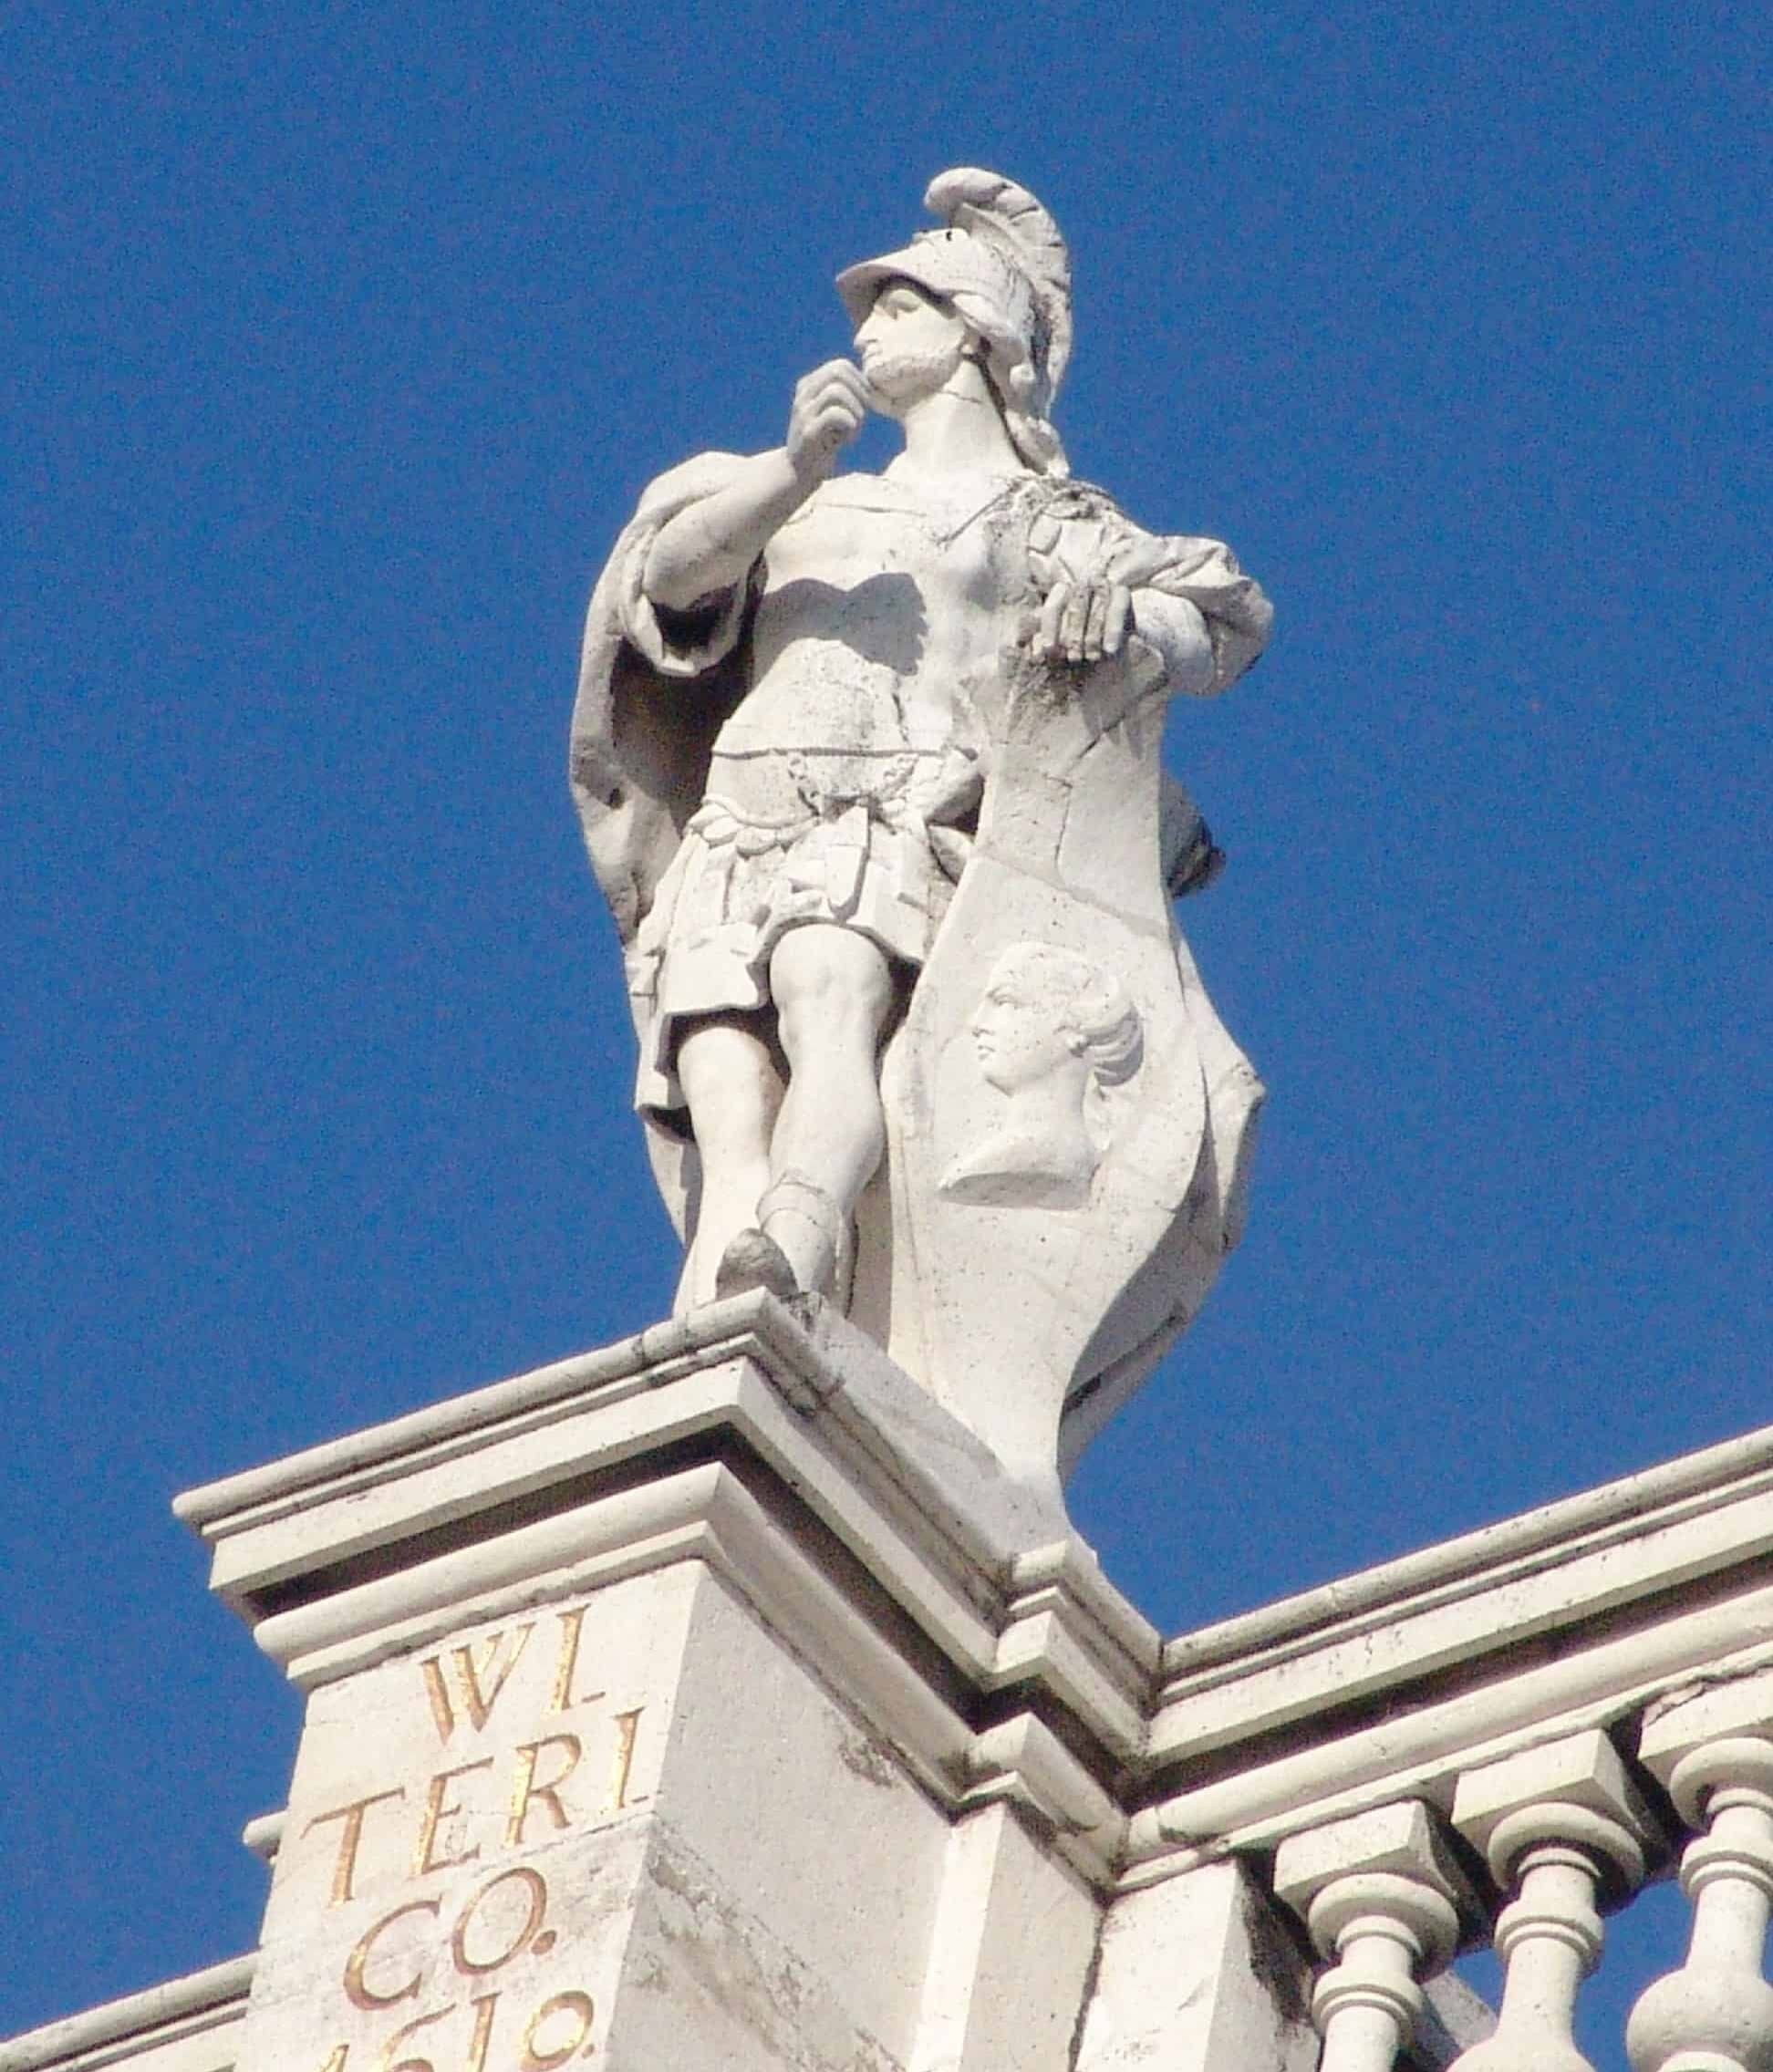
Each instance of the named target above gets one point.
<point>732,1085</point>
<point>832,991</point>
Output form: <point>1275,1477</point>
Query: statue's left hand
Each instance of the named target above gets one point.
<point>1082,622</point>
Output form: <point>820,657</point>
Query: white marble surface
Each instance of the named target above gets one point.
<point>1195,1974</point>
<point>623,1807</point>
<point>1014,1938</point>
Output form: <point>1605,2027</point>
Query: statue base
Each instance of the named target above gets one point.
<point>712,1700</point>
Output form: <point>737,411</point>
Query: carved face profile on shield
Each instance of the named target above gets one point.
<point>1054,1034</point>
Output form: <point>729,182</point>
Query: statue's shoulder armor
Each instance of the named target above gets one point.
<point>1068,496</point>
<point>1057,512</point>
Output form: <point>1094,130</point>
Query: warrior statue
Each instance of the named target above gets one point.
<point>868,770</point>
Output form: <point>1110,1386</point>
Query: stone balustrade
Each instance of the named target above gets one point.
<point>1538,1847</point>
<point>1560,1825</point>
<point>1382,1898</point>
<point>1566,1832</point>
<point>1713,1752</point>
<point>1497,1743</point>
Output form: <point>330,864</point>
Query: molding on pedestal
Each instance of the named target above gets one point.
<point>780,1446</point>
<point>955,1609</point>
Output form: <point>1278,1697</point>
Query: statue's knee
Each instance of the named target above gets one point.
<point>829,1025</point>
<point>828,991</point>
<point>812,1016</point>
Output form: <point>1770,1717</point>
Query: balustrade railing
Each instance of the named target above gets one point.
<point>1382,1899</point>
<point>1497,1745</point>
<point>1528,1854</point>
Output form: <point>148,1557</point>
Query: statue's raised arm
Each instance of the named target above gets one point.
<point>868,767</point>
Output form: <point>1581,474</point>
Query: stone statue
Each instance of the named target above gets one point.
<point>868,767</point>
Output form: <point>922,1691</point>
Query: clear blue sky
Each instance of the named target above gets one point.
<point>340,341</point>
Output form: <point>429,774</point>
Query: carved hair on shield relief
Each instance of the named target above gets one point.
<point>1052,1031</point>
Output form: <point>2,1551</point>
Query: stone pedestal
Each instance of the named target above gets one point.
<point>622,1815</point>
<point>717,1701</point>
<point>711,1702</point>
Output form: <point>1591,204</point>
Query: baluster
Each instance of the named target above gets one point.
<point>1714,1754</point>
<point>1561,1826</point>
<point>1379,1894</point>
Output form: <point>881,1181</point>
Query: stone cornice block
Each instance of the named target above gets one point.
<point>1064,1622</point>
<point>780,1447</point>
<point>605,1408</point>
<point>1718,1733</point>
<point>1573,1789</point>
<point>1023,1761</point>
<point>1401,1840</point>
<point>1580,1769</point>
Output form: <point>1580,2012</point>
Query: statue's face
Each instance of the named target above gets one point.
<point>1018,1033</point>
<point>909,346</point>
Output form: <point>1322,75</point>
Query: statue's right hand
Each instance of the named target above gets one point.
<point>830,404</point>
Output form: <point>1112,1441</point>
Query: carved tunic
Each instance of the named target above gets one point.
<point>844,785</point>
<point>842,788</point>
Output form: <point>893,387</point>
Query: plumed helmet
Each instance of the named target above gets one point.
<point>1001,263</point>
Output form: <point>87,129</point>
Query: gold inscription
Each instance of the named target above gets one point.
<point>436,1812</point>
<point>350,1837</point>
<point>627,1726</point>
<point>466,1682</point>
<point>525,1792</point>
<point>536,1896</point>
<point>358,1990</point>
<point>481,2041</point>
<point>387,2063</point>
<point>478,1697</point>
<point>572,1624</point>
<point>542,1769</point>
<point>504,1917</point>
<point>541,2056</point>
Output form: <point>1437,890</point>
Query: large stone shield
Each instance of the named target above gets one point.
<point>1019,1297</point>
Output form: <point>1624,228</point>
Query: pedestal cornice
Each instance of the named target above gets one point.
<point>954,1609</point>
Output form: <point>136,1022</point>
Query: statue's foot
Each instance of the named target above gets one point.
<point>811,1233</point>
<point>754,1261</point>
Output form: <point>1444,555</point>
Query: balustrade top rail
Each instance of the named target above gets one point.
<point>1395,1681</point>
